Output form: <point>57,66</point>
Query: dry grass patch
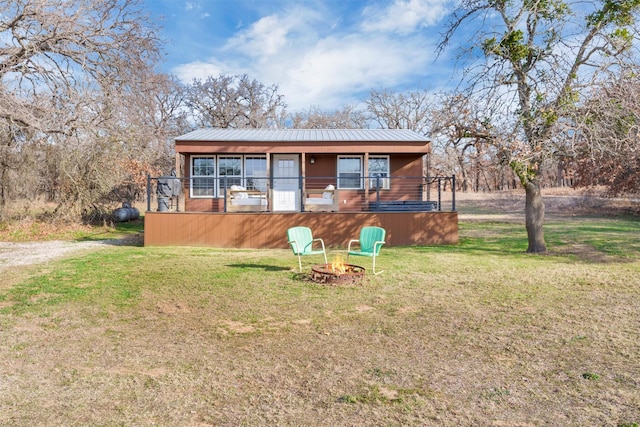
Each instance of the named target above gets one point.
<point>476,334</point>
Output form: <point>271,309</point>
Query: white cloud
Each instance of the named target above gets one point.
<point>405,16</point>
<point>274,33</point>
<point>316,62</point>
<point>198,70</point>
<point>339,67</point>
<point>265,37</point>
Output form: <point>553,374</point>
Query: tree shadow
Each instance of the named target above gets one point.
<point>302,277</point>
<point>128,240</point>
<point>259,267</point>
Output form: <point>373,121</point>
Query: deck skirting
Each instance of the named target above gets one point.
<point>268,230</point>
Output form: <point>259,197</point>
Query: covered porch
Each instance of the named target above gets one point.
<point>421,211</point>
<point>243,188</point>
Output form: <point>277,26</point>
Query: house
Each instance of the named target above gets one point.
<point>245,187</point>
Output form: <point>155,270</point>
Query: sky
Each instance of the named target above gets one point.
<point>324,54</point>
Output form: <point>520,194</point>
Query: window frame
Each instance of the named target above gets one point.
<point>360,173</point>
<point>261,179</point>
<point>217,188</point>
<point>386,181</point>
<point>231,179</point>
<point>193,178</point>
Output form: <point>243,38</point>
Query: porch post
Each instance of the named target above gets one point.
<point>302,183</point>
<point>304,164</point>
<point>439,194</point>
<point>225,194</point>
<point>365,169</point>
<point>148,193</point>
<point>453,192</point>
<point>427,161</point>
<point>269,180</point>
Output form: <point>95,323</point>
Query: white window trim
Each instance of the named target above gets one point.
<point>361,179</point>
<point>246,177</point>
<point>386,181</point>
<point>214,176</point>
<point>218,189</point>
<point>221,177</point>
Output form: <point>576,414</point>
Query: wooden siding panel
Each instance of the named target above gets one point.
<point>268,230</point>
<point>198,230</point>
<point>402,165</point>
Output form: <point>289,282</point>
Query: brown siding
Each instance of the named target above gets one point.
<point>268,230</point>
<point>325,165</point>
<point>204,204</point>
<point>406,165</point>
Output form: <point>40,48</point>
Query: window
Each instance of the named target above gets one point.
<point>379,168</point>
<point>255,172</point>
<point>203,171</point>
<point>349,172</point>
<point>210,174</point>
<point>229,171</point>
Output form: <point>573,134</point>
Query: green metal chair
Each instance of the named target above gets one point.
<point>370,242</point>
<point>301,241</point>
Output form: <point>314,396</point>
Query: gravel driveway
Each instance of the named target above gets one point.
<point>27,253</point>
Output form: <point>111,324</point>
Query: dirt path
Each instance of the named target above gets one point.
<point>27,253</point>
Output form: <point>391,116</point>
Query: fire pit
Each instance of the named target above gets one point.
<point>337,273</point>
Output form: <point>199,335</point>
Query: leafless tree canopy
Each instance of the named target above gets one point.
<point>69,70</point>
<point>235,102</point>
<point>57,49</point>
<point>465,137</point>
<point>605,143</point>
<point>347,118</point>
<point>410,110</point>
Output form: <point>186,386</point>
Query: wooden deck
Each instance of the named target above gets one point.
<point>268,230</point>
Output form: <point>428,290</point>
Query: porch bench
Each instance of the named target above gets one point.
<point>240,199</point>
<point>404,206</point>
<point>321,200</point>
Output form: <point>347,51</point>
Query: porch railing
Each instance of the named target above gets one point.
<point>343,193</point>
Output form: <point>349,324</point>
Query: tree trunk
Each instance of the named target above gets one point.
<point>534,214</point>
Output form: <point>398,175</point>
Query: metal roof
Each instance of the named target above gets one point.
<point>303,135</point>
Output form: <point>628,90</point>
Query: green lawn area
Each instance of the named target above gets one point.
<point>474,334</point>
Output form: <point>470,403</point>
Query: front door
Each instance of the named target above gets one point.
<point>286,187</point>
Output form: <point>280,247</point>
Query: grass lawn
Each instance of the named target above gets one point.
<point>474,334</point>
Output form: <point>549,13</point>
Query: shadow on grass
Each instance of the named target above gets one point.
<point>129,233</point>
<point>302,277</point>
<point>127,240</point>
<point>259,267</point>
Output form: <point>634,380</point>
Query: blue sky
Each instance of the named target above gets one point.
<point>324,53</point>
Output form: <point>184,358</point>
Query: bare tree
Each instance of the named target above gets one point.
<point>410,110</point>
<point>59,48</point>
<point>464,130</point>
<point>346,118</point>
<point>605,143</point>
<point>137,130</point>
<point>235,102</point>
<point>539,56</point>
<point>60,62</point>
